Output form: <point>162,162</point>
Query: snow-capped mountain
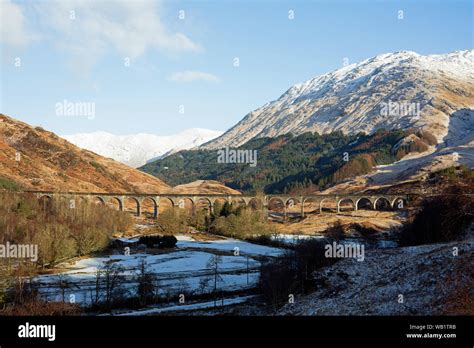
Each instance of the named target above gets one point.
<point>394,90</point>
<point>136,150</point>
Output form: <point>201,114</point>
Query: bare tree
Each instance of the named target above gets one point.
<point>113,280</point>
<point>108,285</point>
<point>63,284</point>
<point>147,284</point>
<point>204,284</point>
<point>213,264</point>
<point>96,293</point>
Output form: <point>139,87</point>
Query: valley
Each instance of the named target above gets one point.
<point>239,223</point>
<point>236,173</point>
<point>183,276</point>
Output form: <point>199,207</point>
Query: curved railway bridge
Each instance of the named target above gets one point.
<point>285,202</point>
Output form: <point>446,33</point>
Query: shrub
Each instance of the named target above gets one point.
<point>6,280</point>
<point>293,272</point>
<point>162,242</point>
<point>277,280</point>
<point>267,240</point>
<point>54,243</point>
<point>146,281</point>
<point>25,208</point>
<point>150,241</point>
<point>90,239</point>
<point>441,219</point>
<point>199,220</point>
<point>97,166</point>
<point>59,231</point>
<point>168,242</point>
<point>427,137</point>
<point>247,224</point>
<point>364,231</point>
<point>415,146</point>
<point>9,185</point>
<point>41,308</point>
<point>457,174</point>
<point>226,209</point>
<point>360,164</point>
<point>336,231</point>
<point>173,221</point>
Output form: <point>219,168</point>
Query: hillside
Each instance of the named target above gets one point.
<point>40,160</point>
<point>457,149</point>
<point>308,161</point>
<point>204,187</point>
<point>425,90</point>
<point>431,280</point>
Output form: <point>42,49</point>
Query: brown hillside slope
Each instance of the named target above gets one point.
<point>204,187</point>
<point>40,160</point>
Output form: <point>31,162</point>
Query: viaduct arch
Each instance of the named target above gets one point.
<point>395,202</point>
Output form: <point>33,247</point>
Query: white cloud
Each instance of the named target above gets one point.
<point>190,76</point>
<point>12,25</point>
<point>131,28</point>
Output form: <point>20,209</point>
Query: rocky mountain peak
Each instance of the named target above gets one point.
<point>391,90</point>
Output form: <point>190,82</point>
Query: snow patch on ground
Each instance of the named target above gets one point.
<point>188,307</point>
<point>230,245</point>
<point>420,273</point>
<point>184,269</point>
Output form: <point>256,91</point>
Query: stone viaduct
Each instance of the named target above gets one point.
<point>285,202</point>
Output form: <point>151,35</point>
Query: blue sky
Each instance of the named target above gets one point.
<point>188,63</point>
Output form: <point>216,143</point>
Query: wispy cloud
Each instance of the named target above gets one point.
<point>13,29</point>
<point>191,76</point>
<point>87,30</point>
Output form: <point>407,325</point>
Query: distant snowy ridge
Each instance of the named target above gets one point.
<point>352,99</point>
<point>136,150</point>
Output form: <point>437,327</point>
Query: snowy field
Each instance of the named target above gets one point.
<point>185,269</point>
<point>186,307</point>
<point>229,245</point>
